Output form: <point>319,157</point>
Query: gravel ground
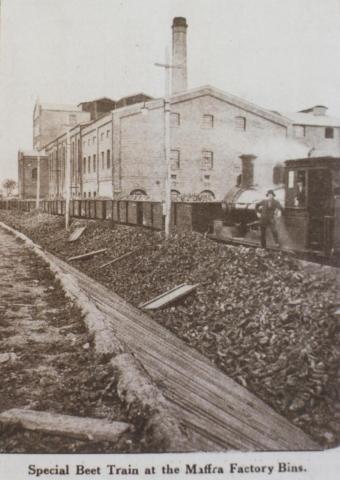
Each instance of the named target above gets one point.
<point>265,319</point>
<point>46,358</point>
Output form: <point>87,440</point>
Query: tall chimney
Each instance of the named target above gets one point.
<point>179,54</point>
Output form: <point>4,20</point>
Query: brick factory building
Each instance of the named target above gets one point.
<point>117,147</point>
<point>28,174</point>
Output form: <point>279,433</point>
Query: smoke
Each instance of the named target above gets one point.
<point>270,152</point>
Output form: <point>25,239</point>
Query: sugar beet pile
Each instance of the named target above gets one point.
<point>267,321</point>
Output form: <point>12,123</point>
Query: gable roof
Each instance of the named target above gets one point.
<point>233,100</point>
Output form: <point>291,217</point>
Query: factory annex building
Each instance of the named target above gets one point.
<point>116,148</point>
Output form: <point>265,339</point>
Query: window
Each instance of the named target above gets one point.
<point>89,164</point>
<point>175,195</point>
<point>102,136</point>
<point>329,132</point>
<point>34,173</point>
<point>103,161</point>
<point>174,159</point>
<point>207,160</point>
<point>299,131</point>
<point>240,123</point>
<point>278,174</point>
<point>94,162</point>
<point>206,177</point>
<point>291,176</point>
<point>107,133</point>
<point>94,140</point>
<point>138,192</point>
<point>175,119</point>
<point>84,194</point>
<point>88,141</point>
<point>84,165</point>
<point>94,194</point>
<point>89,194</point>
<point>108,159</point>
<point>300,189</point>
<point>207,196</point>
<point>72,119</point>
<point>208,121</point>
<point>173,177</point>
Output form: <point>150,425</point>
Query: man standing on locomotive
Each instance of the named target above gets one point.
<point>266,210</point>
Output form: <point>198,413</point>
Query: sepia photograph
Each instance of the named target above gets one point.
<point>170,238</point>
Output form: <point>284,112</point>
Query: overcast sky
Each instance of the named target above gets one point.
<point>280,54</point>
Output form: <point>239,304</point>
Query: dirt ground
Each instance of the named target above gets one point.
<point>265,319</point>
<point>46,357</point>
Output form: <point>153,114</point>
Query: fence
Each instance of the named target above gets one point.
<point>185,216</point>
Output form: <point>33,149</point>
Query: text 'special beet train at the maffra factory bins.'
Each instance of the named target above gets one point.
<point>310,197</point>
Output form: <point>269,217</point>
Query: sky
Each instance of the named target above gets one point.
<point>280,54</point>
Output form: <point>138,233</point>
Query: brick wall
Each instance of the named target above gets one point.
<point>27,177</point>
<point>139,147</point>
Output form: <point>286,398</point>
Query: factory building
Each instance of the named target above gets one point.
<point>217,141</point>
<point>28,174</point>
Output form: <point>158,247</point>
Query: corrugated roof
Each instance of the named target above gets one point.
<point>300,118</point>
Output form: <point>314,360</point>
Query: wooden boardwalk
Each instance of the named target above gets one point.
<point>222,414</point>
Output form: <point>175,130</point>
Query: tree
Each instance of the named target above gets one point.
<point>9,185</point>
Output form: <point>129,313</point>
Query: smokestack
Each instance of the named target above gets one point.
<point>179,54</point>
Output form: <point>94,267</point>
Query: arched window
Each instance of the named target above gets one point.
<point>175,195</point>
<point>138,192</point>
<point>207,196</point>
<point>34,173</point>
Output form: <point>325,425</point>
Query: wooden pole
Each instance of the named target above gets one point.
<point>167,145</point>
<point>67,182</point>
<point>38,183</point>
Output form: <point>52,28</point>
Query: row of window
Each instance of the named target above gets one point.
<point>206,195</point>
<point>206,163</point>
<point>105,162</point>
<point>206,178</point>
<point>300,131</point>
<point>207,121</point>
<point>89,195</point>
<point>94,138</point>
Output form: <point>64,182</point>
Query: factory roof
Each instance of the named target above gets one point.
<point>309,119</point>
<point>32,153</point>
<point>232,99</point>
<point>59,107</point>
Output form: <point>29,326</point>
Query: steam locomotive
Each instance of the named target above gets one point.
<point>310,195</point>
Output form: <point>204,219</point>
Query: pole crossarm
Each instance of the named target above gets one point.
<point>167,65</point>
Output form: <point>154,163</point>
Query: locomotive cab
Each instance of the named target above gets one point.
<point>312,198</point>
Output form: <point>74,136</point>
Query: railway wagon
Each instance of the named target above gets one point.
<point>311,219</point>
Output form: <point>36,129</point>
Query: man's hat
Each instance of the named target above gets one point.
<point>270,192</point>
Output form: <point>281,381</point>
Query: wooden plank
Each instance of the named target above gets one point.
<point>76,234</point>
<point>87,255</point>
<point>111,262</point>
<point>84,428</point>
<point>169,297</point>
<point>221,413</point>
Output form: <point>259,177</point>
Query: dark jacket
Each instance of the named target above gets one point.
<point>267,210</point>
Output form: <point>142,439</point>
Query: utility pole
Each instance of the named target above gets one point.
<point>167,111</point>
<point>67,181</point>
<point>37,201</point>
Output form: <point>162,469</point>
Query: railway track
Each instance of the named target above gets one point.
<point>307,255</point>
